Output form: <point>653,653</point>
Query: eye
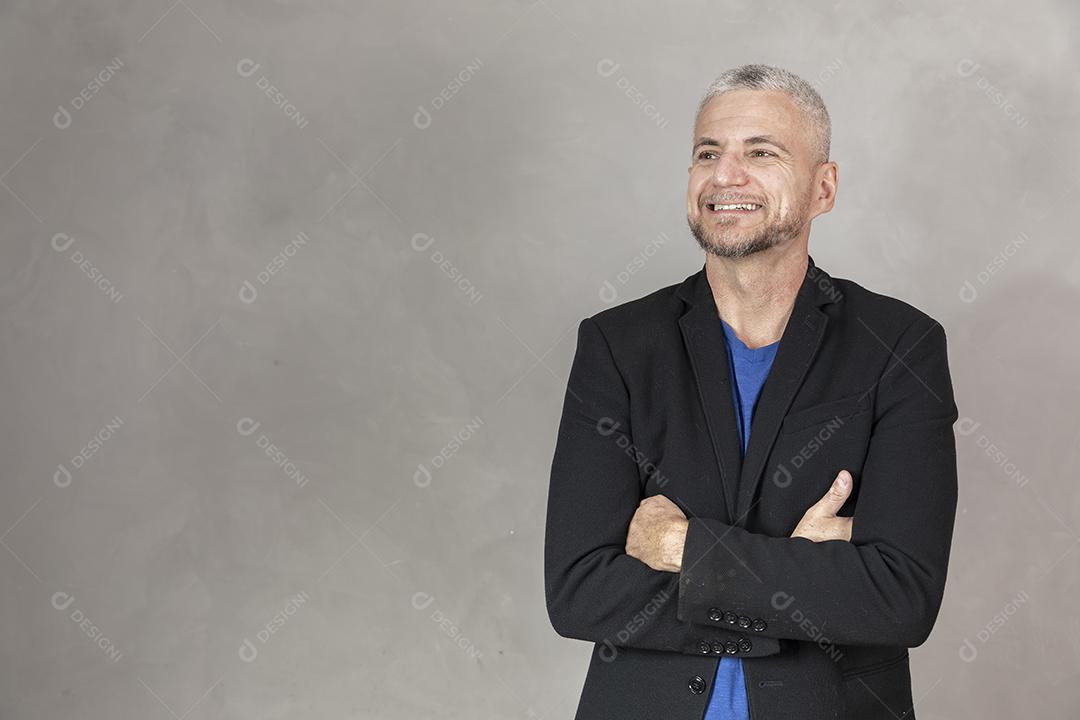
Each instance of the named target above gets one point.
<point>703,153</point>
<point>763,151</point>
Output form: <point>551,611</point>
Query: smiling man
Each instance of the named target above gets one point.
<point>753,489</point>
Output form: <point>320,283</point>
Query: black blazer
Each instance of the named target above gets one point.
<point>860,381</point>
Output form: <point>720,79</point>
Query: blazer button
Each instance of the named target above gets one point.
<point>697,684</point>
<point>745,645</point>
<point>715,615</point>
<point>718,648</point>
<point>758,625</point>
<point>731,618</point>
<point>704,648</point>
<point>744,622</point>
<point>731,647</point>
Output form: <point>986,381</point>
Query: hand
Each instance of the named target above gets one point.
<point>657,534</point>
<point>821,522</point>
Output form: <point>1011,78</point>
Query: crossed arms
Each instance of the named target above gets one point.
<point>882,586</point>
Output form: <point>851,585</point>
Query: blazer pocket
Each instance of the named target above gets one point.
<point>875,667</point>
<point>824,412</point>
<point>879,690</point>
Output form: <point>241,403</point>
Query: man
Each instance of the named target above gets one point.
<point>754,483</point>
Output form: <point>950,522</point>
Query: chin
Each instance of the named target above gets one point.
<point>737,247</point>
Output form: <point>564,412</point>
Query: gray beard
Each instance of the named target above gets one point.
<point>762,239</point>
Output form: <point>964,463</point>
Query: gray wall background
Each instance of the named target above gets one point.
<point>281,373</point>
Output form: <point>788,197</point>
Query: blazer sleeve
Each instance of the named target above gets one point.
<point>885,586</point>
<point>594,590</point>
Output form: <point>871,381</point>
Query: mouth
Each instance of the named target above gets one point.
<point>718,209</point>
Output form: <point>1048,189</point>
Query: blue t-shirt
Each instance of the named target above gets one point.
<point>749,368</point>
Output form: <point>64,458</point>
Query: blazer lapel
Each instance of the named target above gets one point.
<point>799,344</point>
<point>704,339</point>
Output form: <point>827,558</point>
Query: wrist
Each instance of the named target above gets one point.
<point>674,542</point>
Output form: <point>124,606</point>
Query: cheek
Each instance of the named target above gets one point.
<point>693,187</point>
<point>699,177</point>
<point>788,188</point>
<point>693,192</point>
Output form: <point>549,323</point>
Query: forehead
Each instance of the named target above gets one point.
<point>742,113</point>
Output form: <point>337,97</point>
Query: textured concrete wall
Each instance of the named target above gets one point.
<point>287,300</point>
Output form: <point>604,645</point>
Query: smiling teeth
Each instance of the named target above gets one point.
<point>743,206</point>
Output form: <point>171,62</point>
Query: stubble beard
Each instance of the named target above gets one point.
<point>721,240</point>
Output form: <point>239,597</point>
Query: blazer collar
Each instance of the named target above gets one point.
<point>818,287</point>
<point>703,335</point>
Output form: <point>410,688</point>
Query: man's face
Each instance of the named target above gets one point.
<point>751,146</point>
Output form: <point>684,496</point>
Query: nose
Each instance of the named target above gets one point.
<point>730,169</point>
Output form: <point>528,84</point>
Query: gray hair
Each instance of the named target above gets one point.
<point>802,93</point>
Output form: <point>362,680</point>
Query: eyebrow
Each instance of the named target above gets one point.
<point>752,140</point>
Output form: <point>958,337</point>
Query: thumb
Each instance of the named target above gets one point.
<point>837,495</point>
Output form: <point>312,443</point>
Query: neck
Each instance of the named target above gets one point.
<point>756,294</point>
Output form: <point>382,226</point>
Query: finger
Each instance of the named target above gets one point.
<point>837,528</point>
<point>837,495</point>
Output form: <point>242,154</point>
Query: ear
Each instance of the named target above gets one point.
<point>827,186</point>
